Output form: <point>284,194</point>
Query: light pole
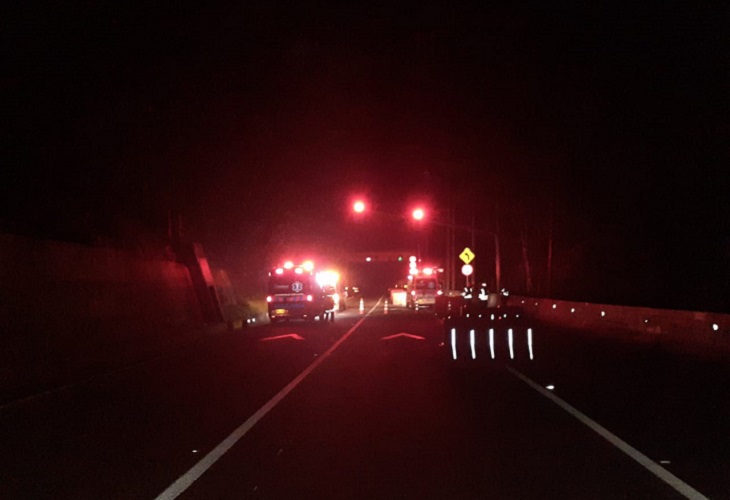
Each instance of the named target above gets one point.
<point>419,215</point>
<point>451,247</point>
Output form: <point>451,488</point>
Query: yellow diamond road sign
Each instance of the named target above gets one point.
<point>467,255</point>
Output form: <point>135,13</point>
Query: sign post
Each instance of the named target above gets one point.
<point>466,257</point>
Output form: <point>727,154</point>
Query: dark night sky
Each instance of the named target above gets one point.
<point>257,121</point>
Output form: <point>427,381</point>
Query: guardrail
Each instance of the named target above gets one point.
<point>706,331</point>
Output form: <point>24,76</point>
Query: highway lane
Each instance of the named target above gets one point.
<point>128,434</point>
<point>384,415</point>
<point>396,419</point>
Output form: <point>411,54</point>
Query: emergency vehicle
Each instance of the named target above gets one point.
<point>423,288</point>
<point>294,293</point>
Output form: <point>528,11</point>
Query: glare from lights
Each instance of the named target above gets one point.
<point>288,264</point>
<point>310,298</point>
<point>472,342</point>
<point>550,387</point>
<point>279,270</point>
<point>368,259</point>
<point>529,342</point>
<point>308,265</point>
<point>359,207</point>
<point>572,310</point>
<point>555,306</point>
<point>715,327</point>
<point>491,341</point>
<point>428,271</point>
<point>269,298</point>
<point>603,314</point>
<point>299,270</point>
<point>412,259</point>
<point>418,214</point>
<point>646,321</point>
<point>327,278</point>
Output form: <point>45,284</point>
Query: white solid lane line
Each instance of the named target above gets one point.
<point>653,467</point>
<point>184,481</point>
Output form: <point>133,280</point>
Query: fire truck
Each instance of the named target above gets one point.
<point>295,293</point>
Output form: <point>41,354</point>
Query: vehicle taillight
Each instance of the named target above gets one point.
<point>269,298</point>
<point>310,298</point>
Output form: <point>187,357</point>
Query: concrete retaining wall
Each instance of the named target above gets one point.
<point>67,309</point>
<point>695,331</point>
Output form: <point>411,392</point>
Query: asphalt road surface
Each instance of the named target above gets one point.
<point>374,405</point>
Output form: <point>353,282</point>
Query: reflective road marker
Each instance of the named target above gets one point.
<point>511,344</point>
<point>453,342</point>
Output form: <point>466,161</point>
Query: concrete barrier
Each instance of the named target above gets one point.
<point>696,331</point>
<point>67,310</point>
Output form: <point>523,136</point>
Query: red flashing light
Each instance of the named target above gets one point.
<point>269,298</point>
<point>310,298</point>
<point>359,206</point>
<point>418,214</point>
<point>279,270</point>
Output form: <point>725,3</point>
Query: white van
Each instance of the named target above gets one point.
<point>423,292</point>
